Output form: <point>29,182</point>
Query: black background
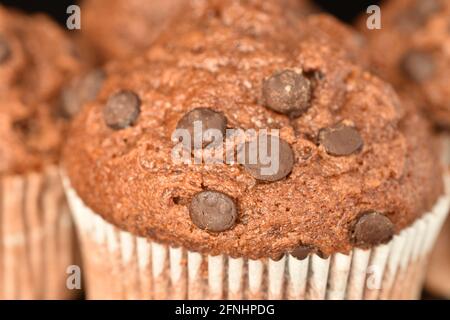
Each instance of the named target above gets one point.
<point>166,309</point>
<point>347,10</point>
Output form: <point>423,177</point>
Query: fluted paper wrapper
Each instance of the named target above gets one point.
<point>36,237</point>
<point>119,265</point>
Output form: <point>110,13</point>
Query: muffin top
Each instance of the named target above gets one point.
<point>36,59</point>
<point>347,165</point>
<point>411,50</point>
<point>116,29</point>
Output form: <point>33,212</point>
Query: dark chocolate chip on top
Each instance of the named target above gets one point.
<point>81,91</point>
<point>122,109</point>
<point>5,50</point>
<point>213,211</point>
<point>418,66</point>
<point>372,228</point>
<point>205,119</point>
<point>340,140</point>
<point>287,92</point>
<point>270,162</point>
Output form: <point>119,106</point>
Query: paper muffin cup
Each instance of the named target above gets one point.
<point>36,237</point>
<point>120,265</point>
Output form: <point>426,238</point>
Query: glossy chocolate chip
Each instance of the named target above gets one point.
<point>340,140</point>
<point>213,211</point>
<point>302,252</point>
<point>5,50</point>
<point>81,91</point>
<point>372,228</point>
<point>270,162</point>
<point>418,66</point>
<point>287,92</point>
<point>122,110</point>
<point>208,119</point>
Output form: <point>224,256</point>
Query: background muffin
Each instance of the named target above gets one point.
<point>36,60</point>
<point>416,34</point>
<point>411,51</point>
<point>116,29</point>
<point>355,168</point>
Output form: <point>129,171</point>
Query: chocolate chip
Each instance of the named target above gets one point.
<point>372,228</point>
<point>302,252</point>
<point>5,50</point>
<point>340,140</point>
<point>81,91</point>
<point>417,15</point>
<point>426,8</point>
<point>287,92</point>
<point>122,109</point>
<point>269,163</point>
<point>213,211</point>
<point>417,65</point>
<point>209,120</point>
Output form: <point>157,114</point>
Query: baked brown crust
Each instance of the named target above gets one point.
<point>411,26</point>
<point>115,29</point>
<point>219,60</point>
<point>41,59</point>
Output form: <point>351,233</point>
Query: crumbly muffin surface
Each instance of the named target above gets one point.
<point>352,160</point>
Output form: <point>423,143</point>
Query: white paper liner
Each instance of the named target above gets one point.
<point>36,237</point>
<point>142,269</point>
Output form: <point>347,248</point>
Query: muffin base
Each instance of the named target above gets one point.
<point>120,265</point>
<point>36,237</point>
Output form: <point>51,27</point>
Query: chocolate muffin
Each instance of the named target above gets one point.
<point>36,60</point>
<point>353,177</point>
<point>115,29</point>
<point>411,51</point>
